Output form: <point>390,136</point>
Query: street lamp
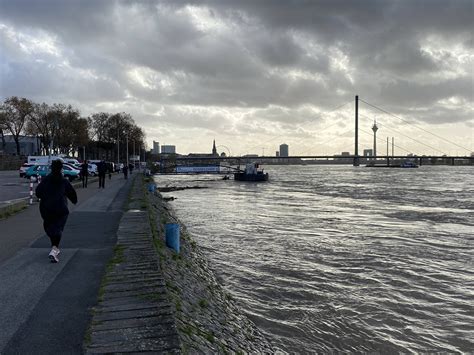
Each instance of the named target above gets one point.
<point>127,148</point>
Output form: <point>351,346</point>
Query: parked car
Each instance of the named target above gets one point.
<point>70,173</point>
<point>92,169</point>
<point>73,167</point>
<point>24,168</point>
<point>31,171</point>
<point>44,170</point>
<point>71,161</point>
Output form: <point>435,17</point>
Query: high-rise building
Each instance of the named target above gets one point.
<point>168,149</point>
<point>283,150</point>
<point>156,148</point>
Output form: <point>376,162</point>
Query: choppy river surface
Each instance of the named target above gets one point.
<point>343,259</point>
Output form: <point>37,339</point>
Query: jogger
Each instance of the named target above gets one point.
<point>53,193</point>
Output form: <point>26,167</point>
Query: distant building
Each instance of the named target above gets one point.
<point>168,149</point>
<point>277,153</point>
<point>156,148</point>
<point>206,155</point>
<point>29,145</point>
<point>368,152</point>
<point>250,155</point>
<point>214,149</point>
<point>283,150</point>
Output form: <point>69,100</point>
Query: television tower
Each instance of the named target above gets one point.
<point>375,128</point>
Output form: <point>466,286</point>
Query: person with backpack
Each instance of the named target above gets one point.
<point>53,192</point>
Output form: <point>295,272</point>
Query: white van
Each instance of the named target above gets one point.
<point>42,159</point>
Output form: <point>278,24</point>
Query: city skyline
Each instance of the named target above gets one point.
<point>253,75</point>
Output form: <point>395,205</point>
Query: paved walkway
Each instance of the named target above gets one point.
<point>45,308</point>
<point>134,314</point>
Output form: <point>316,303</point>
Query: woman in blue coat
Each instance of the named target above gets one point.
<point>53,192</point>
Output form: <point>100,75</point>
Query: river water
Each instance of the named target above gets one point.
<point>343,259</point>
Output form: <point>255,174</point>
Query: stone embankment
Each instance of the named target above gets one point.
<point>154,299</point>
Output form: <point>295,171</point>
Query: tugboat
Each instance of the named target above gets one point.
<point>252,172</point>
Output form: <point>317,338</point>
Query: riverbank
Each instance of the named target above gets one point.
<point>152,299</point>
<point>207,318</point>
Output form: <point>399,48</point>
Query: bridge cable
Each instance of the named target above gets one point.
<point>325,113</point>
<point>417,141</point>
<point>382,140</point>
<point>329,140</point>
<point>281,135</point>
<point>391,114</point>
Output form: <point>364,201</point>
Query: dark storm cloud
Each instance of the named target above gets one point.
<point>274,58</point>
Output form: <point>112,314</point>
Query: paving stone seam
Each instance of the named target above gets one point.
<point>134,296</point>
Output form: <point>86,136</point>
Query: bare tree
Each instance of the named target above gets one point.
<point>3,117</point>
<point>40,124</point>
<point>16,112</point>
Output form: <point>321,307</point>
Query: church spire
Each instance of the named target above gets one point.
<point>214,150</point>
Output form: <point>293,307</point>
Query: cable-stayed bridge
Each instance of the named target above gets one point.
<point>387,159</point>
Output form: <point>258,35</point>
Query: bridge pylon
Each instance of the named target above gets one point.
<point>356,147</point>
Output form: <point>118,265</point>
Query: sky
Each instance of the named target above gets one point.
<point>253,74</point>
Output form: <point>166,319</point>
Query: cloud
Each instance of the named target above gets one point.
<point>233,68</point>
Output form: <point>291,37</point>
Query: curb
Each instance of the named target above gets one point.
<point>134,313</point>
<point>9,208</point>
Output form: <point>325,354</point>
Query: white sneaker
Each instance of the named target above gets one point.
<point>53,255</point>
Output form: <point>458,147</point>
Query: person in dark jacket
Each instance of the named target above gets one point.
<point>84,173</point>
<point>125,171</point>
<point>53,192</point>
<point>101,170</point>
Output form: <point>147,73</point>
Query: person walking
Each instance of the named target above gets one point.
<point>53,192</point>
<point>84,173</point>
<point>125,171</point>
<point>101,170</point>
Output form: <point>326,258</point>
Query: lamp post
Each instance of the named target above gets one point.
<point>126,139</point>
<point>51,143</point>
<point>118,148</point>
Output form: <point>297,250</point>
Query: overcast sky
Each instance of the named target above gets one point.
<point>252,74</point>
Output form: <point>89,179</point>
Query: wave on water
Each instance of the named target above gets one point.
<point>343,259</point>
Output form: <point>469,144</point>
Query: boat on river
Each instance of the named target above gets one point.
<point>252,172</point>
<point>408,164</point>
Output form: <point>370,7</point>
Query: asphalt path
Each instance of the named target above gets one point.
<point>45,307</point>
<point>12,186</point>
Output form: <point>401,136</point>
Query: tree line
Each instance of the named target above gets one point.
<point>60,129</point>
